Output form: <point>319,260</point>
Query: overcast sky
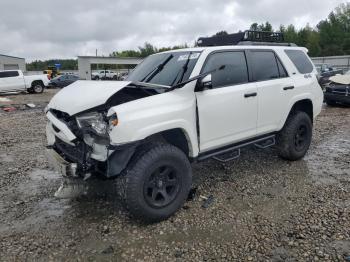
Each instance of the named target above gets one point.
<point>41,29</point>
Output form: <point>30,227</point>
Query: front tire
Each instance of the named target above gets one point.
<point>294,139</point>
<point>157,183</point>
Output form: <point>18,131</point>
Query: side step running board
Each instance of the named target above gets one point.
<point>267,143</point>
<point>232,152</point>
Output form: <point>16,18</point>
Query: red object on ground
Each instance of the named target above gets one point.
<point>9,109</point>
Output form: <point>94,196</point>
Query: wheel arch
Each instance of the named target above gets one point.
<point>304,105</point>
<point>177,137</point>
<point>122,157</point>
<point>37,81</point>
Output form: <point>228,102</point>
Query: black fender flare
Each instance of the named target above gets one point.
<point>120,158</point>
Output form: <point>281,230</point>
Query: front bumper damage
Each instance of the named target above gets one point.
<point>59,164</point>
<point>69,155</point>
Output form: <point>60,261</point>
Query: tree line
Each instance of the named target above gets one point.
<point>331,36</point>
<point>66,64</point>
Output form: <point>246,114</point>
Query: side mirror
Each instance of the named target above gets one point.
<point>205,83</point>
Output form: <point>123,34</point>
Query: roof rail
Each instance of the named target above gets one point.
<point>248,37</point>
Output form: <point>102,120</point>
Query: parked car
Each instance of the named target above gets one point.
<point>15,81</point>
<point>179,107</point>
<point>104,74</point>
<point>338,90</point>
<point>63,80</point>
<point>123,76</point>
<point>326,71</point>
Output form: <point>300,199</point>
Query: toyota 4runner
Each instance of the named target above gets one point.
<point>183,106</point>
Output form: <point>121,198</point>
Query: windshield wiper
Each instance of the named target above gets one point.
<point>151,85</point>
<point>196,78</point>
<point>155,71</point>
<point>183,71</point>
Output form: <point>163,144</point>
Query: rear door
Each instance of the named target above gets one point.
<point>228,110</point>
<point>275,88</point>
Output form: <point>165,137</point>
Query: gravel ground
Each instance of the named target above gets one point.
<point>264,208</point>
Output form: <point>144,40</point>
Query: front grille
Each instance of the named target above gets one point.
<point>76,154</point>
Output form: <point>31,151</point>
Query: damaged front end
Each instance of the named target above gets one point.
<point>90,152</point>
<point>79,145</point>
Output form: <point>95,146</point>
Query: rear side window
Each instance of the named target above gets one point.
<point>235,71</point>
<point>300,60</point>
<point>264,65</point>
<point>8,74</point>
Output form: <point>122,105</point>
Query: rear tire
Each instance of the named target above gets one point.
<point>38,87</point>
<point>157,182</point>
<point>294,139</point>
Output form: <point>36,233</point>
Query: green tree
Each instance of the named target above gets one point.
<point>262,27</point>
<point>147,49</point>
<point>221,33</point>
<point>291,34</point>
<point>335,31</point>
<point>254,27</point>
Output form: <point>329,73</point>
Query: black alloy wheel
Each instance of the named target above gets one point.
<point>162,186</point>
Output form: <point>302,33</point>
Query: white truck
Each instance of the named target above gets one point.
<point>15,81</point>
<point>104,74</point>
<point>179,107</point>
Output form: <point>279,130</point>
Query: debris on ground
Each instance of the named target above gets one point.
<point>30,105</point>
<point>208,201</point>
<point>192,194</point>
<point>9,109</point>
<point>108,250</point>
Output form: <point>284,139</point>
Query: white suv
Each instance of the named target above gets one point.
<point>182,106</point>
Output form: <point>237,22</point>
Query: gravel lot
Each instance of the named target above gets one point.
<point>264,208</point>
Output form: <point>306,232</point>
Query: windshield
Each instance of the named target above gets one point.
<point>165,68</point>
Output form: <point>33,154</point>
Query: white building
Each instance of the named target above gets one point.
<point>12,63</point>
<point>85,62</point>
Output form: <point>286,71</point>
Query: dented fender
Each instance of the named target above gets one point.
<point>142,118</point>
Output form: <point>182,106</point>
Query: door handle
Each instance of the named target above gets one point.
<point>250,94</point>
<point>288,87</point>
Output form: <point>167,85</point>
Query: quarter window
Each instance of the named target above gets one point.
<point>264,65</point>
<point>281,69</point>
<point>235,71</point>
<point>300,60</point>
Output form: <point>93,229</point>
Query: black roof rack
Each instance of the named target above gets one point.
<point>248,37</point>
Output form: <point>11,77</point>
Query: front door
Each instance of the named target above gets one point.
<point>228,110</point>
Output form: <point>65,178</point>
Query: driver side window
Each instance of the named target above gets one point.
<point>235,71</point>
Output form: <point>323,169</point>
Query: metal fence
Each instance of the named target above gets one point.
<point>339,62</point>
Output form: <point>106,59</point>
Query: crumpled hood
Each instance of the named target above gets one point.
<point>83,95</point>
<point>341,79</point>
